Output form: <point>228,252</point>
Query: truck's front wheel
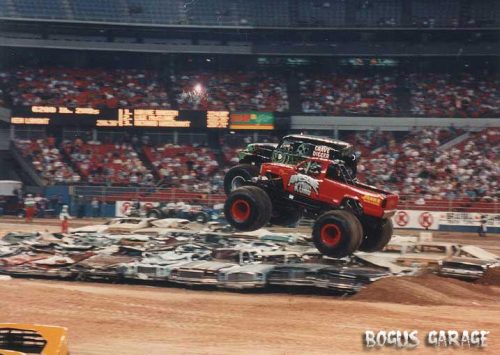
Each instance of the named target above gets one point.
<point>248,208</point>
<point>337,233</point>
<point>237,175</point>
<point>377,235</point>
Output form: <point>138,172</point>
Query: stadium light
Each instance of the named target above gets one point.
<point>198,88</point>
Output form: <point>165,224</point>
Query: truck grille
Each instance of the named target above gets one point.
<point>191,274</point>
<point>146,270</point>
<point>241,277</point>
<point>22,340</point>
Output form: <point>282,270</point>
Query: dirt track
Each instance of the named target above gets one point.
<point>126,319</point>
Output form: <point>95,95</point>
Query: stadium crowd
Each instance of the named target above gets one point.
<point>431,95</point>
<point>108,163</point>
<point>47,160</point>
<point>348,94</point>
<point>190,168</point>
<point>446,95</point>
<point>97,88</point>
<point>415,165</point>
<point>233,91</point>
<point>409,165</point>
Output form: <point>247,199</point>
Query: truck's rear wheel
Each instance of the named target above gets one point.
<point>376,236</point>
<point>237,175</point>
<point>285,215</point>
<point>337,233</point>
<point>248,208</point>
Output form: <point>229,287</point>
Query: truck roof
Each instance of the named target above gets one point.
<point>330,142</point>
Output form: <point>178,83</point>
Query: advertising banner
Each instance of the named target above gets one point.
<point>251,120</point>
<point>469,221</point>
<point>123,207</point>
<point>408,219</point>
<point>446,221</point>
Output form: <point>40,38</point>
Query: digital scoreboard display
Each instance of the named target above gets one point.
<point>123,117</point>
<point>251,120</point>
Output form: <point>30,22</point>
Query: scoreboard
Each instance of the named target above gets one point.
<point>123,117</point>
<point>145,118</point>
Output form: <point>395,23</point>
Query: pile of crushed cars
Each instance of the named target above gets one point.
<point>177,251</point>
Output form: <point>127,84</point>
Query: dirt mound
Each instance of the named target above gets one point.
<point>426,289</point>
<point>490,277</point>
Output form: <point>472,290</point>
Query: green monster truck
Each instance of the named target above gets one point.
<point>292,149</point>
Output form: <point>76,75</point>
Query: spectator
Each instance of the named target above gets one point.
<point>29,208</point>
<point>95,207</point>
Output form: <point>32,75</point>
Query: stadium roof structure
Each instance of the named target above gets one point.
<point>312,14</point>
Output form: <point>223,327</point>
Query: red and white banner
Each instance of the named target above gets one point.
<point>123,207</point>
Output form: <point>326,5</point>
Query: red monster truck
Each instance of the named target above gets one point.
<point>349,215</point>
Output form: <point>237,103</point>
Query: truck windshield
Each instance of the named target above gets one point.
<point>338,172</point>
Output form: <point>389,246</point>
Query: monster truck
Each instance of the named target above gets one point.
<point>291,150</point>
<point>348,215</point>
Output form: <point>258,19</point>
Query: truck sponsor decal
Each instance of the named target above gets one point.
<point>371,200</point>
<point>304,184</point>
<point>321,151</point>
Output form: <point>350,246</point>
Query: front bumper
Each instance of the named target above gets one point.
<point>240,285</point>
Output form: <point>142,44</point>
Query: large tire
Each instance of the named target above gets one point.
<point>237,175</point>
<point>285,215</point>
<point>376,236</point>
<point>337,233</point>
<point>248,208</point>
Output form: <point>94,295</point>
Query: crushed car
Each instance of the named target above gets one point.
<point>245,276</point>
<point>295,274</point>
<point>347,279</point>
<point>199,272</point>
<point>468,269</point>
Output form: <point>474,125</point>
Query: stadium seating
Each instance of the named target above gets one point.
<point>431,13</point>
<point>415,166</point>
<point>378,13</point>
<point>51,9</point>
<point>4,11</point>
<point>266,13</point>
<point>47,161</point>
<point>187,167</point>
<point>99,88</point>
<point>348,94</point>
<point>368,94</point>
<point>482,13</point>
<point>446,95</point>
<point>231,91</point>
<point>321,13</point>
<point>116,164</point>
<point>95,11</point>
<point>412,165</point>
<point>156,11</point>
